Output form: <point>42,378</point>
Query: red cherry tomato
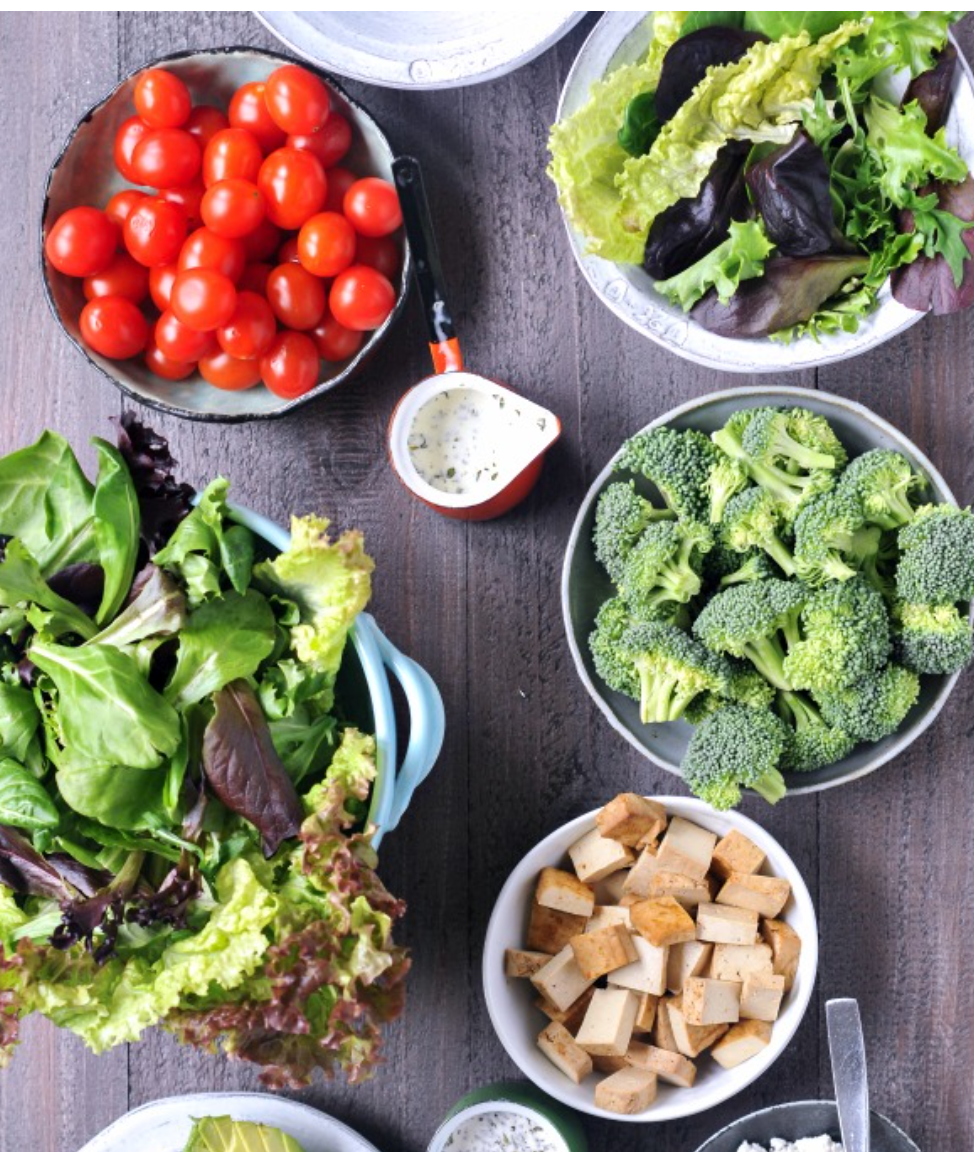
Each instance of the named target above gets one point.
<point>129,134</point>
<point>82,242</point>
<point>223,371</point>
<point>334,342</point>
<point>204,122</point>
<point>160,284</point>
<point>203,299</point>
<point>250,330</point>
<point>114,327</point>
<point>290,367</point>
<point>254,278</point>
<point>121,204</point>
<point>123,277</point>
<point>339,182</point>
<point>233,207</point>
<point>296,99</point>
<point>189,199</point>
<point>288,251</point>
<point>232,154</point>
<point>379,252</point>
<point>205,249</point>
<point>160,365</point>
<point>297,297</point>
<point>326,244</point>
<point>361,298</point>
<point>263,242</point>
<point>329,143</point>
<point>294,186</point>
<point>167,158</point>
<point>248,109</point>
<point>177,342</point>
<point>372,206</point>
<point>154,232</point>
<point>162,99</point>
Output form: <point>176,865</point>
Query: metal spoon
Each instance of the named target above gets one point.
<point>848,1051</point>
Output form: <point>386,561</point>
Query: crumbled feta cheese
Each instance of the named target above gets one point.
<point>811,1144</point>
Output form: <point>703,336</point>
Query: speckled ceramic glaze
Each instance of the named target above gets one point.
<point>800,1121</point>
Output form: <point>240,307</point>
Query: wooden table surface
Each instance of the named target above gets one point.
<point>888,859</point>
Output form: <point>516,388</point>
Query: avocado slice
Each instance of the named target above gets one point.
<point>221,1134</point>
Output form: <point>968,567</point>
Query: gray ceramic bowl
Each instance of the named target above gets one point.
<point>84,173</point>
<point>799,1121</point>
<point>585,585</point>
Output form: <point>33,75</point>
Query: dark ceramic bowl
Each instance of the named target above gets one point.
<point>800,1121</point>
<point>84,173</point>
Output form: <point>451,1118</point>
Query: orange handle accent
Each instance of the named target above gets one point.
<point>447,356</point>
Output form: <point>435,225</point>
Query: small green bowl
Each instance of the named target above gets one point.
<point>558,1123</point>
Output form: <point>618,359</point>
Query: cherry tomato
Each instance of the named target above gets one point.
<point>123,277</point>
<point>254,278</point>
<point>329,143</point>
<point>177,342</point>
<point>160,284</point>
<point>232,154</point>
<point>233,207</point>
<point>188,198</point>
<point>290,367</point>
<point>166,158</point>
<point>294,185</point>
<point>361,298</point>
<point>372,206</point>
<point>203,299</point>
<point>296,99</point>
<point>205,249</point>
<point>251,329</point>
<point>379,252</point>
<point>248,109</point>
<point>114,327</point>
<point>122,203</point>
<point>154,232</point>
<point>129,134</point>
<point>334,342</point>
<point>326,244</point>
<point>263,242</point>
<point>229,373</point>
<point>339,182</point>
<point>297,297</point>
<point>204,122</point>
<point>82,242</point>
<point>162,99</point>
<point>288,251</point>
<point>160,365</point>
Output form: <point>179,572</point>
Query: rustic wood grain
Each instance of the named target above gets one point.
<point>887,859</point>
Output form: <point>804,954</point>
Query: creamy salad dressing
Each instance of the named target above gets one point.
<point>809,1144</point>
<point>501,1132</point>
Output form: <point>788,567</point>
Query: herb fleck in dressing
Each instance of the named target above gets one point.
<point>464,439</point>
<point>509,1131</point>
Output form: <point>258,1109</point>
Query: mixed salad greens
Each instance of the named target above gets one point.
<point>182,800</point>
<point>759,167</point>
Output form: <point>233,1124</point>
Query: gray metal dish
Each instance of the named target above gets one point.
<point>799,1121</point>
<point>585,585</point>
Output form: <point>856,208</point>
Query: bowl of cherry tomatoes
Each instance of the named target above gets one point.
<point>221,236</point>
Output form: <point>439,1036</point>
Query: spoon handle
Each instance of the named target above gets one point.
<point>848,1051</point>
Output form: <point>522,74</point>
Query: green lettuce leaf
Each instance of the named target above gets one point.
<point>24,802</point>
<point>22,584</point>
<point>892,40</point>
<point>19,725</point>
<point>740,257</point>
<point>129,799</point>
<point>774,25</point>
<point>116,527</point>
<point>841,314</point>
<point>909,156</point>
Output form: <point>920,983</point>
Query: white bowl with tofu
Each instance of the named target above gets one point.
<point>631,937</point>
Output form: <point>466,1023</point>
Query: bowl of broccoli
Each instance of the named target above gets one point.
<point>769,588</point>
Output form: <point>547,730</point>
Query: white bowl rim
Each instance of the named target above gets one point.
<point>692,809</point>
<point>485,1108</point>
<point>897,747</point>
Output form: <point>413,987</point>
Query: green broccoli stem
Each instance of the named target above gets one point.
<point>783,444</point>
<point>679,580</point>
<point>661,699</point>
<point>900,511</point>
<point>767,655</point>
<point>771,786</point>
<point>748,571</point>
<point>780,555</point>
<point>797,710</point>
<point>785,487</point>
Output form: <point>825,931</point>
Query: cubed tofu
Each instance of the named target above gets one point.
<point>609,1064</point>
<point>663,1036</point>
<point>572,1016</point>
<point>685,960</point>
<point>786,949</point>
<point>549,931</point>
<point>640,875</point>
<point>601,952</point>
<point>646,1016</point>
<point>647,973</point>
<point>557,1044</point>
<point>670,1067</point>
<point>766,895</point>
<point>686,848</point>
<point>564,892</point>
<point>612,888</point>
<point>741,1042</point>
<point>683,889</point>
<point>630,818</point>
<point>594,857</point>
<point>520,965</point>
<point>607,1027</point>
<point>721,924</point>
<point>735,961</point>
<point>708,1001</point>
<point>605,914</point>
<point>628,1091</point>
<point>761,997</point>
<point>663,921</point>
<point>561,980</point>
<point>735,853</point>
<point>691,1039</point>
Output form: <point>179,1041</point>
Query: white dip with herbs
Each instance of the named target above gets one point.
<point>463,439</point>
<point>810,1144</point>
<point>506,1131</point>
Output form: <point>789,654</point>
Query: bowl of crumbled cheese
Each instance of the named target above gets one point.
<point>803,1126</point>
<point>512,1116</point>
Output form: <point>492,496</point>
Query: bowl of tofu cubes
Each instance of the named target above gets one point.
<point>648,961</point>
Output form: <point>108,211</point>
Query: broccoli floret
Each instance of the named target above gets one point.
<point>758,622</point>
<point>812,743</point>
<point>879,568</point>
<point>736,747</point>
<point>621,516</point>
<point>882,481</point>
<point>727,478</point>
<point>672,669</point>
<point>874,706</point>
<point>748,686</point>
<point>722,566</point>
<point>702,706</point>
<point>757,566</point>
<point>832,539</point>
<point>937,556</point>
<point>845,636</point>
<point>933,638</point>
<point>794,439</point>
<point>677,463</point>
<point>753,519</point>
<point>664,566</point>
<point>612,664</point>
